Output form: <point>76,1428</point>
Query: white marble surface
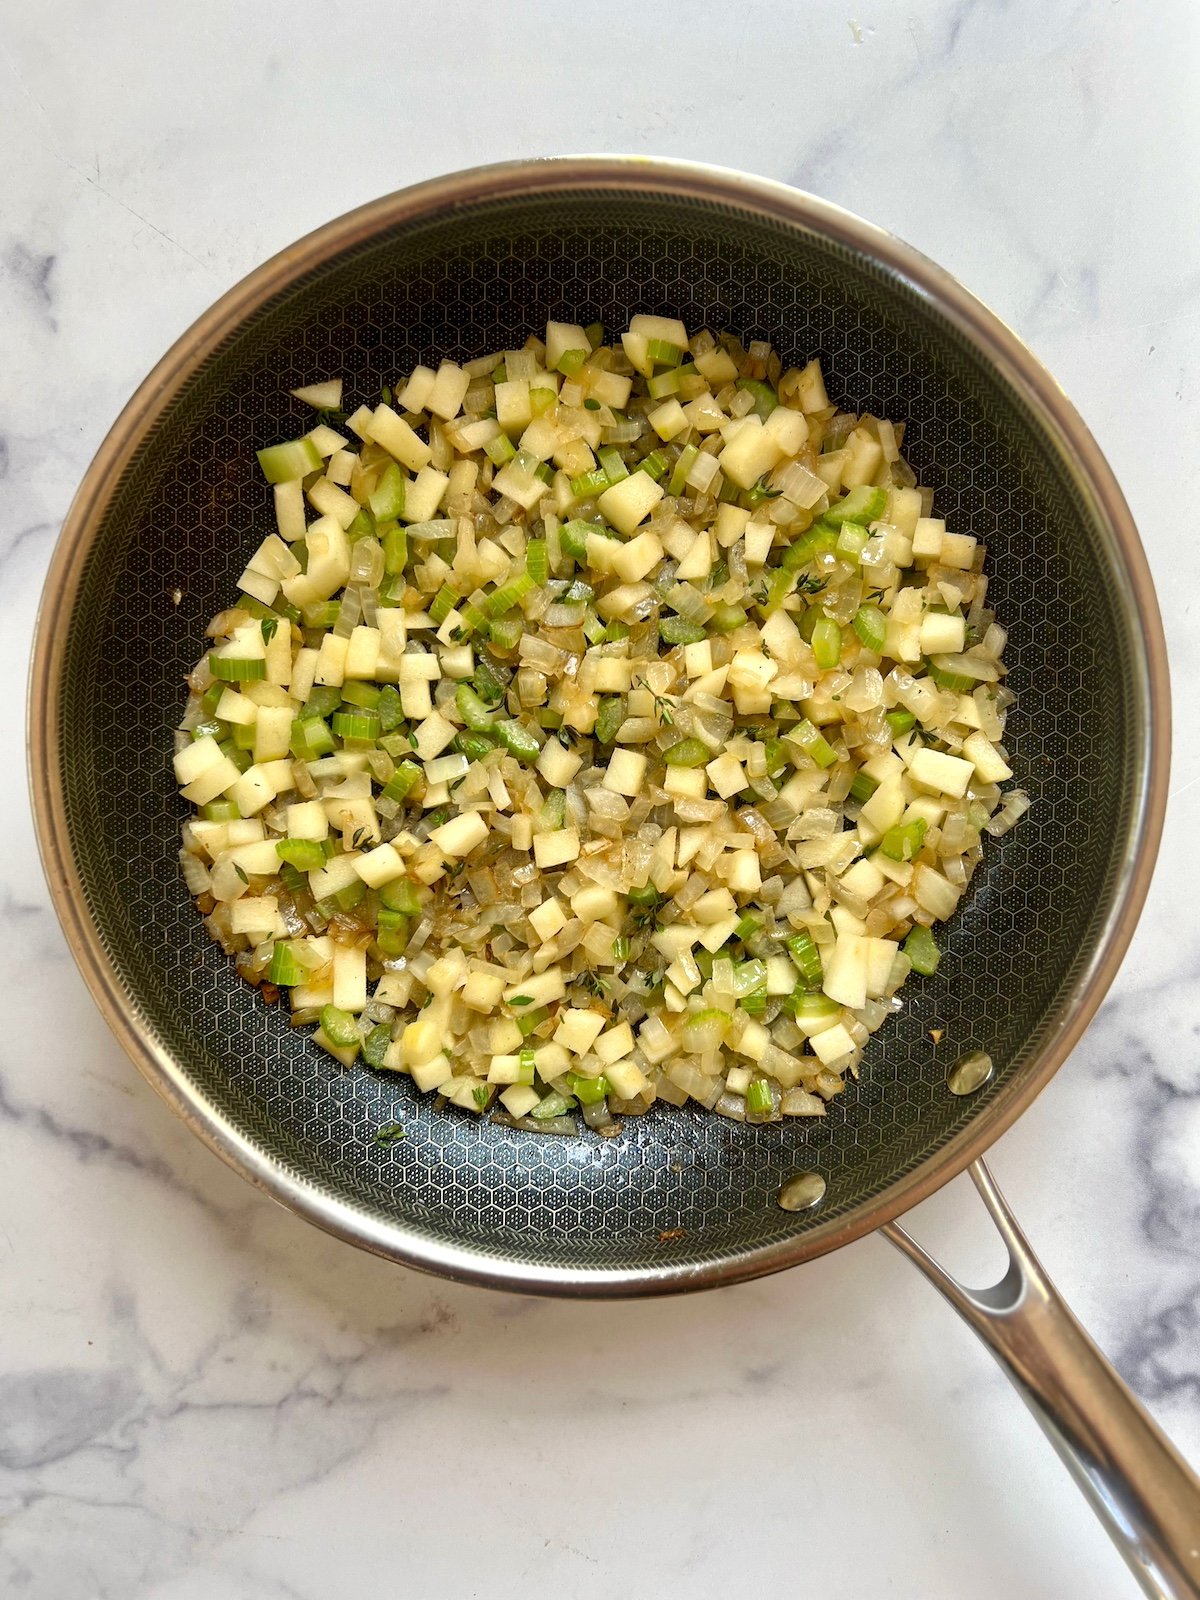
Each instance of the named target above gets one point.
<point>199,1396</point>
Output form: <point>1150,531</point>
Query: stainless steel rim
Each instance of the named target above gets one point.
<point>997,343</point>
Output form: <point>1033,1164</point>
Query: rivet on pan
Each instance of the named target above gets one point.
<point>969,1072</point>
<point>802,1191</point>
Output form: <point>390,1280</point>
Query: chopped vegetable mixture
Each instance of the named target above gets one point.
<point>602,724</point>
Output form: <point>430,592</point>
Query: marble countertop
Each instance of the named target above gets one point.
<point>202,1397</point>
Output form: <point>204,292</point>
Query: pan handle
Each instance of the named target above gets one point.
<point>1136,1481</point>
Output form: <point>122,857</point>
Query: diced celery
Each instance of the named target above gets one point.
<point>863,504</point>
<point>296,458</point>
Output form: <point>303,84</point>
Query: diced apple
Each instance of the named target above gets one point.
<point>846,971</point>
<point>461,834</point>
<point>941,633</point>
<point>990,765</point>
<point>630,502</point>
<point>390,430</point>
<point>626,772</point>
<point>937,770</point>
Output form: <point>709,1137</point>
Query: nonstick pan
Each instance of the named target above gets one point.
<point>683,1199</point>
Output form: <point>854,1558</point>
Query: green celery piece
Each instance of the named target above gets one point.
<point>390,709</point>
<point>826,643</point>
<point>678,630</point>
<point>554,1104</point>
<point>588,484</point>
<point>777,756</point>
<point>728,618</point>
<point>537,560</point>
<point>472,709</point>
<point>921,949</point>
<point>346,899</point>
<point>339,1027</point>
<point>321,614</point>
<point>609,717</point>
<point>518,740</point>
<point>359,693</point>
<point>814,744</point>
<point>806,957</point>
<point>765,398</point>
<point>403,781</point>
<point>293,881</point>
<point>811,1004</point>
<point>530,1019</point>
<point>851,543</point>
<point>374,1046</point>
<point>648,896</point>
<point>505,633</point>
<point>489,686</point>
<point>285,970</point>
<point>688,753</point>
<point>863,504</point>
<point>296,458</point>
<point>870,624</point>
<point>220,811</point>
<point>574,536</point>
<point>306,855</point>
<point>902,842</point>
<point>614,468</point>
<point>323,700</point>
<point>472,745</point>
<point>779,586</point>
<point>679,473</point>
<point>588,1091</point>
<point>554,809</point>
<point>310,738</point>
<point>232,669</point>
<point>442,604</point>
<point>393,933</point>
<point>387,499</point>
<point>363,526</point>
<point>242,759</point>
<point>820,539</point>
<point>758,1096</point>
<point>508,595</point>
<point>958,682</point>
<point>395,550</point>
<point>499,450</point>
<point>401,895</point>
<point>356,727</point>
<point>663,352</point>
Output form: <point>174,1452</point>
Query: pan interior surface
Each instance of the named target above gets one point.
<point>465,1194</point>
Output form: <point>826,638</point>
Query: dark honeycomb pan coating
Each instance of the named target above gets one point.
<point>191,507</point>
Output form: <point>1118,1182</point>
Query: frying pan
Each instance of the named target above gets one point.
<point>683,1199</point>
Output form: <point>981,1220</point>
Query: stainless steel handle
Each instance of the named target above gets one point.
<point>1138,1484</point>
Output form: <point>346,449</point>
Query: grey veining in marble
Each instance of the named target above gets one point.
<point>201,1398</point>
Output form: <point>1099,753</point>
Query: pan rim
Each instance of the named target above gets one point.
<point>988,334</point>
